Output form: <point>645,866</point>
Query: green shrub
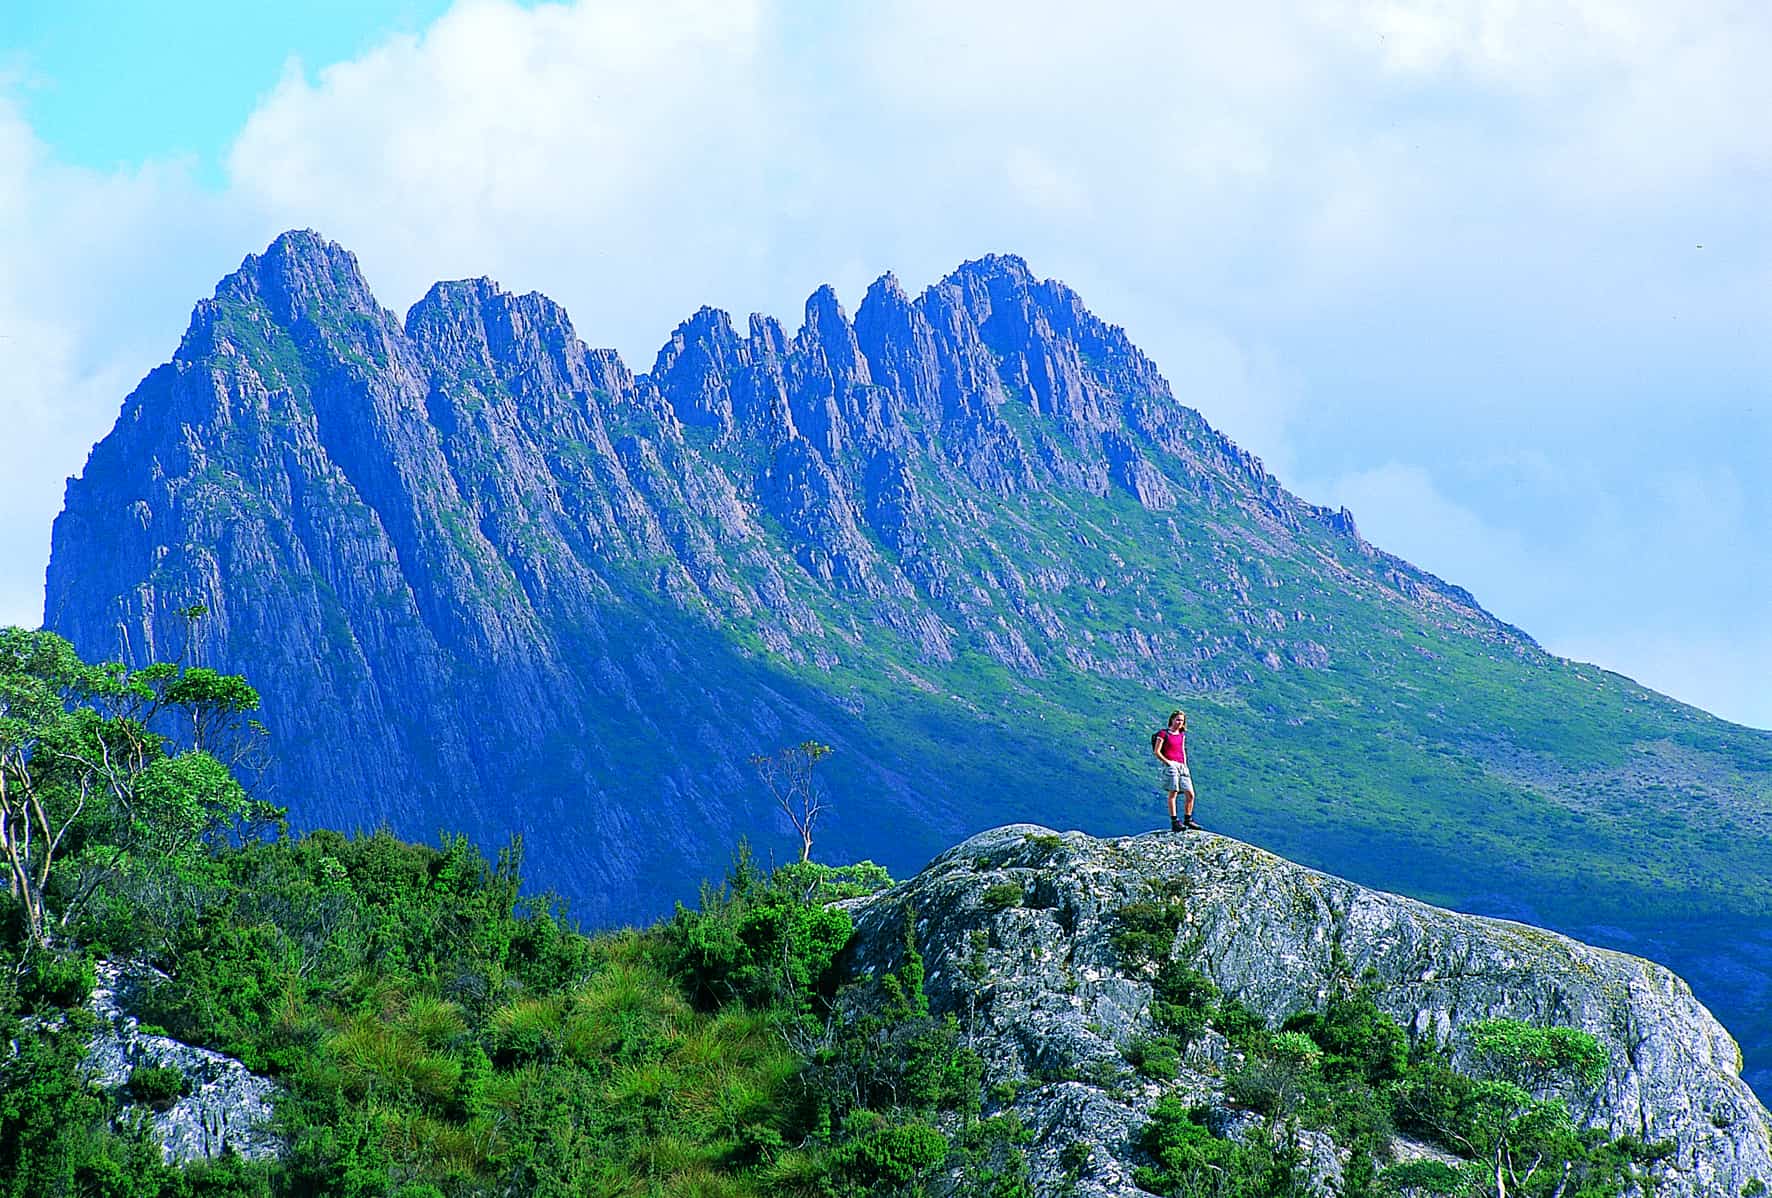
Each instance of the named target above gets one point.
<point>1239,1024</point>
<point>1191,1161</point>
<point>992,1162</point>
<point>1538,1056</point>
<point>1358,1040</point>
<point>1157,1057</point>
<point>156,1087</point>
<point>1004,1092</point>
<point>58,980</point>
<point>761,940</point>
<point>891,1154</point>
<point>1184,1002</point>
<point>1421,1178</point>
<point>1077,1159</point>
<point>1001,896</point>
<point>1144,932</point>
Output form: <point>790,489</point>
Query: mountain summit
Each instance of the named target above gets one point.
<point>970,539</point>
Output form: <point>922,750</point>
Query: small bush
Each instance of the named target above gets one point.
<point>1003,1093</point>
<point>156,1087</point>
<point>1145,931</point>
<point>892,1154</point>
<point>1421,1178</point>
<point>1190,1160</point>
<point>1001,896</point>
<point>1239,1024</point>
<point>58,980</point>
<point>1157,1057</point>
<point>1358,1040</point>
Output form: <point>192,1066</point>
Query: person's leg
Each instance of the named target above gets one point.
<point>1187,809</point>
<point>1172,795</point>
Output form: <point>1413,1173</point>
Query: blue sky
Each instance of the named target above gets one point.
<point>1497,276</point>
<point>111,83</point>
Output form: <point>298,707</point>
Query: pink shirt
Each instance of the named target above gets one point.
<point>1175,745</point>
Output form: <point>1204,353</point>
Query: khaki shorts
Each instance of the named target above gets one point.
<point>1174,777</point>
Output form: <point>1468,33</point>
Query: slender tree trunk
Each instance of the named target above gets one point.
<point>29,897</point>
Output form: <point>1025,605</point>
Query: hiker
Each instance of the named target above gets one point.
<point>1170,747</point>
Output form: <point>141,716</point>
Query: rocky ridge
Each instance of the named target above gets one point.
<point>1044,994</point>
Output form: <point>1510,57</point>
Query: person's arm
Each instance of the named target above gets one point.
<point>1157,750</point>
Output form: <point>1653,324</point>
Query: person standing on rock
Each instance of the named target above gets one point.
<point>1170,747</point>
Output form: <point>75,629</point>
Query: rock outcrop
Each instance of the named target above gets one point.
<point>1045,994</point>
<point>226,1107</point>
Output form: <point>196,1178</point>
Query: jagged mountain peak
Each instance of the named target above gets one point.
<point>480,317</point>
<point>886,287</point>
<point>1012,268</point>
<point>299,273</point>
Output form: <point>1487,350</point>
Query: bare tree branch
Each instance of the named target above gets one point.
<point>789,776</point>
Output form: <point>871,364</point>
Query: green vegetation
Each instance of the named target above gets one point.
<point>436,1034</point>
<point>1000,896</point>
<point>95,801</point>
<point>155,1087</point>
<point>1348,1072</point>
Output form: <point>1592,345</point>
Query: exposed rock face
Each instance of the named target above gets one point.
<point>489,580</point>
<point>1047,994</point>
<point>228,1107</point>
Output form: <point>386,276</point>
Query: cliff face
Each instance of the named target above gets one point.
<point>489,579</point>
<point>1045,993</point>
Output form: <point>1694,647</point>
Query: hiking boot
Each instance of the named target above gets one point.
<point>1174,824</point>
<point>1191,826</point>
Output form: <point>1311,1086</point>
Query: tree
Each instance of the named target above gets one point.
<point>789,775</point>
<point>1526,1133</point>
<point>91,789</point>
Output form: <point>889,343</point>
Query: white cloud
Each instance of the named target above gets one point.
<point>584,151</point>
<point>1364,233</point>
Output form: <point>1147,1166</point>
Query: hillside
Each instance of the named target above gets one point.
<point>488,578</point>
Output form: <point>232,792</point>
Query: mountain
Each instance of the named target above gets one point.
<point>970,539</point>
<point>1022,935</point>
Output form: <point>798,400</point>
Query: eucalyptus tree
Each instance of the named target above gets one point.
<point>108,772</point>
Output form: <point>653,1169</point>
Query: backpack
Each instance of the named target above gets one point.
<point>1157,738</point>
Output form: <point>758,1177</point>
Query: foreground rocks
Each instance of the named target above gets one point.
<point>1049,1004</point>
<point>227,1107</point>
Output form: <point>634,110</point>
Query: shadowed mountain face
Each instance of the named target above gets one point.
<point>489,579</point>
